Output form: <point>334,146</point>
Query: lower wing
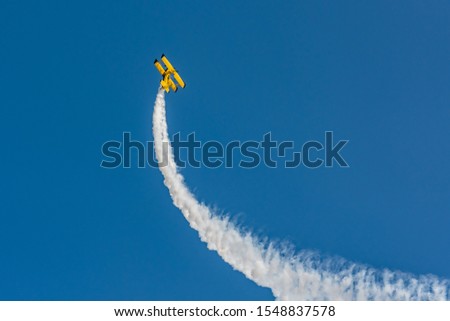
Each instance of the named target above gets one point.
<point>179,80</point>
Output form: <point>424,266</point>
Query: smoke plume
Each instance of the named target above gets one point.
<point>301,276</point>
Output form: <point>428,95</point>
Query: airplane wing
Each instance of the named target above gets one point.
<point>179,80</point>
<point>167,63</point>
<point>159,67</point>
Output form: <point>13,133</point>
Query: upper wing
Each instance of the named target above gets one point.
<point>179,80</point>
<point>167,63</point>
<point>159,67</point>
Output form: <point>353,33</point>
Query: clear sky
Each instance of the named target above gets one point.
<point>74,76</point>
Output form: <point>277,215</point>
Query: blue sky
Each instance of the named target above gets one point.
<point>76,75</point>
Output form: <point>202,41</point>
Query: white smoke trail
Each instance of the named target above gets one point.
<point>304,276</point>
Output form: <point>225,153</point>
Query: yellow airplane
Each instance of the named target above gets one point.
<point>167,81</point>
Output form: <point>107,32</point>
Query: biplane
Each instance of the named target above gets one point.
<point>167,83</point>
